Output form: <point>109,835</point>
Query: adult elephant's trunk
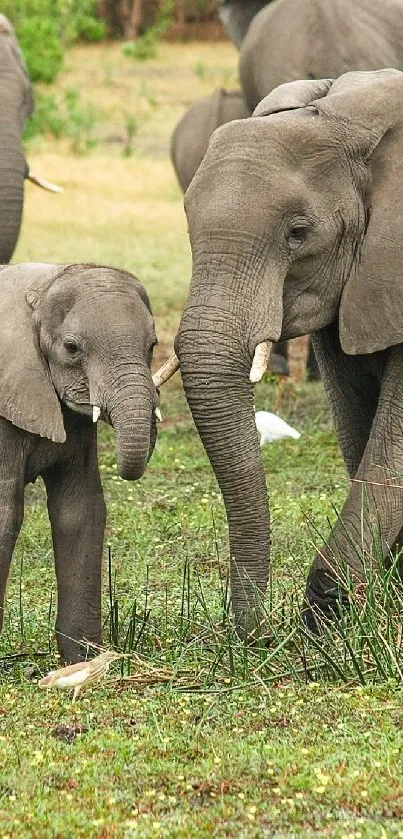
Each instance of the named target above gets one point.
<point>215,353</point>
<point>130,405</point>
<point>12,173</point>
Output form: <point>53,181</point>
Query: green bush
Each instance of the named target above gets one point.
<point>45,27</point>
<point>146,46</point>
<point>42,48</point>
<point>65,116</point>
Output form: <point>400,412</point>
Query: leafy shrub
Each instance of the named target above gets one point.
<point>146,46</point>
<point>42,48</point>
<point>65,117</point>
<point>45,27</point>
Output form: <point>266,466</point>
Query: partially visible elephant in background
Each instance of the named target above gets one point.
<point>188,146</point>
<point>76,343</point>
<point>313,39</point>
<point>295,219</point>
<point>190,138</point>
<point>236,16</point>
<point>16,106</point>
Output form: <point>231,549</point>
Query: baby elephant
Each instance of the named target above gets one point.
<point>76,344</point>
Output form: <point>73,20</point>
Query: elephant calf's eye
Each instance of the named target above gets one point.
<point>71,347</point>
<point>296,236</point>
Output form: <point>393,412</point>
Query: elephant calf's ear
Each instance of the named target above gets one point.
<point>292,95</point>
<point>27,396</point>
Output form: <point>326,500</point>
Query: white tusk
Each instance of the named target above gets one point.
<point>158,414</point>
<point>44,184</point>
<point>166,371</point>
<point>96,413</point>
<point>260,361</point>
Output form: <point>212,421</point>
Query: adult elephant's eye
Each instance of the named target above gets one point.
<point>71,347</point>
<point>296,236</point>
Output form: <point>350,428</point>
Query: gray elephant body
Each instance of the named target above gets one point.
<point>295,219</point>
<point>72,337</point>
<point>16,105</point>
<point>191,136</point>
<point>314,39</point>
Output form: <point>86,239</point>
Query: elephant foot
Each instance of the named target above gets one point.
<point>279,365</point>
<point>324,600</point>
<point>71,652</point>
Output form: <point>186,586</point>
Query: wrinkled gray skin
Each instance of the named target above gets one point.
<point>71,337</point>
<point>188,146</point>
<point>296,226</point>
<point>16,105</point>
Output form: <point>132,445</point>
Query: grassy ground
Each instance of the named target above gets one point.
<point>211,740</point>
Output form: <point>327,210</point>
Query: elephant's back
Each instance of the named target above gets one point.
<point>300,39</point>
<point>192,134</point>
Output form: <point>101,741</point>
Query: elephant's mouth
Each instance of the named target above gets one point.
<point>88,410</point>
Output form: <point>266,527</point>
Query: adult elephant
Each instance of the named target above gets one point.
<point>16,105</point>
<point>188,146</point>
<point>296,225</point>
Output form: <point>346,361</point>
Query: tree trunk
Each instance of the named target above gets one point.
<point>181,12</point>
<point>132,18</point>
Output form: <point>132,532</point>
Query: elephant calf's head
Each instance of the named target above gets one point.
<point>92,330</point>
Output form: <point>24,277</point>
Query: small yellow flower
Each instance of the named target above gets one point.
<point>320,790</point>
<point>304,751</point>
<point>241,795</point>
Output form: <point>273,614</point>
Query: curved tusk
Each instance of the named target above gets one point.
<point>260,361</point>
<point>44,184</point>
<point>96,413</point>
<point>166,371</point>
<point>158,414</point>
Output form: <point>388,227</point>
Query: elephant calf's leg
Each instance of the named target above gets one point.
<point>77,514</point>
<point>11,516</point>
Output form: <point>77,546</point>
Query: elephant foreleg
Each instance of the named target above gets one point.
<point>77,514</point>
<point>353,393</point>
<point>375,501</point>
<point>11,516</point>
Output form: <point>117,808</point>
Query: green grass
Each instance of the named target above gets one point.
<point>276,743</point>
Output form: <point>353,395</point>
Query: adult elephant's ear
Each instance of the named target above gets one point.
<point>368,112</point>
<point>27,396</point>
<point>292,95</point>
